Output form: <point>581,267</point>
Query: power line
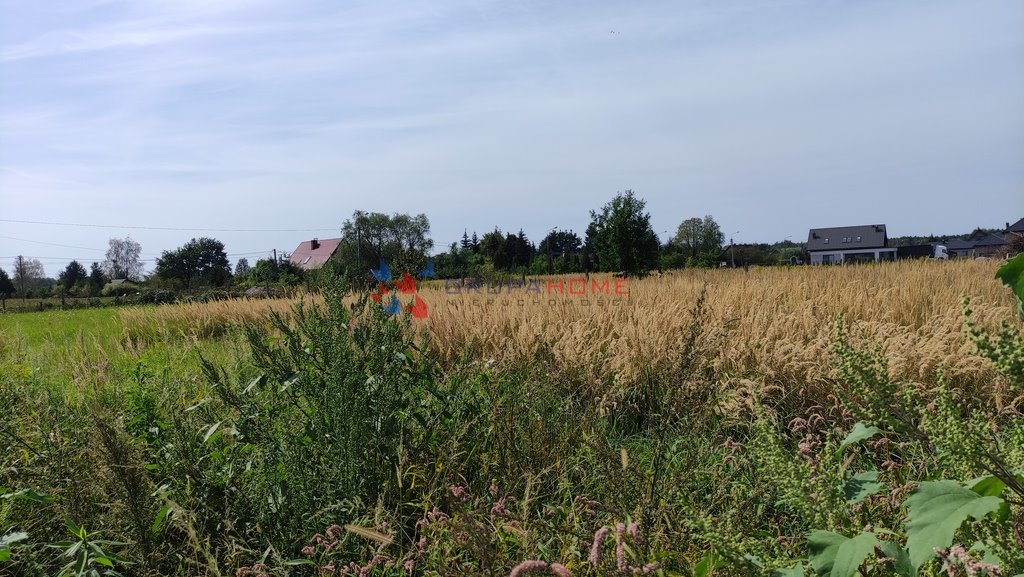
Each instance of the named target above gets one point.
<point>141,259</point>
<point>69,257</point>
<point>178,229</point>
<point>52,243</point>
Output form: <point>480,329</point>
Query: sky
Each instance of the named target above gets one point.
<point>263,124</point>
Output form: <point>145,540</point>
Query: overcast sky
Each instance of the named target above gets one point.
<point>772,116</point>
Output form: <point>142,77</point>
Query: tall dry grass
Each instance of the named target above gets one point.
<point>144,325</point>
<point>774,326</point>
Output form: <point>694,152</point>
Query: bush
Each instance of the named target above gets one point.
<point>120,290</point>
<point>156,296</point>
<point>317,434</point>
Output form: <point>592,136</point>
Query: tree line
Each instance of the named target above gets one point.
<point>618,239</point>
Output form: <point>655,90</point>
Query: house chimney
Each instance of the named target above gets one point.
<point>1007,226</point>
<point>314,244</point>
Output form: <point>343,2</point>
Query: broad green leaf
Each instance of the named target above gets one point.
<point>860,432</point>
<point>1012,275</point>
<point>988,486</point>
<point>161,516</point>
<point>5,555</point>
<point>73,527</point>
<point>103,561</point>
<point>900,559</point>
<point>753,560</point>
<point>707,564</point>
<point>982,549</point>
<point>936,511</point>
<point>861,486</point>
<point>794,571</point>
<point>835,555</point>
<point>822,547</point>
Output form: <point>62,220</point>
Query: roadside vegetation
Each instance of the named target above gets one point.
<point>831,421</point>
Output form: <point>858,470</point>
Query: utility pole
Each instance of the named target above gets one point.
<point>732,248</point>
<point>550,239</point>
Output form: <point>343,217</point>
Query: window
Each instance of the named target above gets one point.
<point>826,241</point>
<point>858,239</point>
<point>306,260</point>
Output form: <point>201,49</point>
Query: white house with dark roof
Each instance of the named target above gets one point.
<point>845,244</point>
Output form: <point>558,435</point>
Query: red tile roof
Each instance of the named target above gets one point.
<point>312,254</point>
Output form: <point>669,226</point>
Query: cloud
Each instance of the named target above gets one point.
<point>773,116</point>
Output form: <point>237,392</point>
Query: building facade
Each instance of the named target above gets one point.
<point>849,244</point>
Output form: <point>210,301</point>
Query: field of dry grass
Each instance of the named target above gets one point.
<point>772,326</point>
<point>144,325</point>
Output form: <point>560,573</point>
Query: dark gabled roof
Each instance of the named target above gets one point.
<point>990,240</point>
<point>957,244</point>
<point>312,254</point>
<point>870,235</point>
<point>1017,227</point>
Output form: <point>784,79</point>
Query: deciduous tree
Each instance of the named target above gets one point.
<point>27,273</point>
<point>123,259</point>
<point>696,237</point>
<point>400,239</point>
<point>283,272</point>
<point>200,261</point>
<point>621,236</point>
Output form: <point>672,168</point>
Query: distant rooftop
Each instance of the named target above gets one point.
<point>847,237</point>
<point>312,254</point>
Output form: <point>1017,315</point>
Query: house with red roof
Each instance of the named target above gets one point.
<point>313,254</point>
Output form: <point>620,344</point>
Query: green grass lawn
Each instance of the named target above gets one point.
<point>74,350</point>
<point>40,328</point>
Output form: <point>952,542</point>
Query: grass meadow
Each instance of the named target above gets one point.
<point>700,425</point>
